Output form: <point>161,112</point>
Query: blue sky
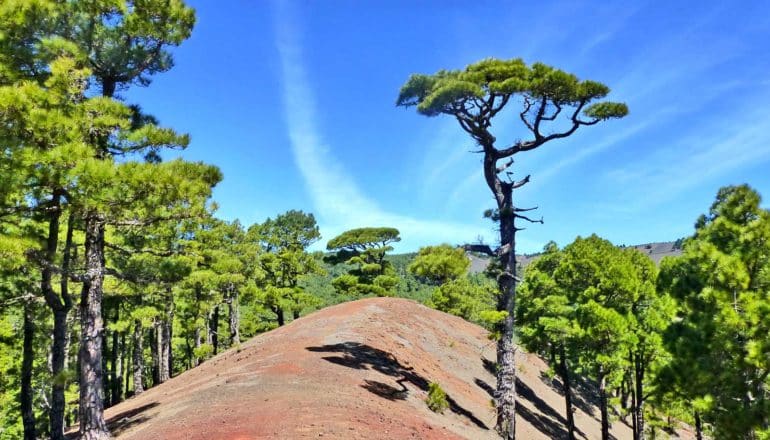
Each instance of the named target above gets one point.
<point>294,101</point>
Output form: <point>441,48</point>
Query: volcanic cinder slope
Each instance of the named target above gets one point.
<point>359,370</point>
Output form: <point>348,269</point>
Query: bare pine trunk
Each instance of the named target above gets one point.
<point>698,427</point>
<point>214,329</point>
<point>27,414</point>
<point>61,340</point>
<point>634,429</point>
<point>138,360</point>
<point>163,349</point>
<point>603,405</point>
<point>105,355</point>
<point>122,370</point>
<point>92,425</point>
<point>126,365</point>
<point>60,304</point>
<point>625,392</point>
<point>198,342</point>
<point>115,381</point>
<point>155,353</point>
<point>235,319</point>
<point>58,366</point>
<point>566,384</point>
<point>169,328</point>
<point>639,398</point>
<point>506,373</point>
<point>279,315</point>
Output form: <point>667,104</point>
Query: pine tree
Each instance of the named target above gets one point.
<point>120,44</point>
<point>440,264</point>
<point>652,312</point>
<point>285,261</point>
<point>719,342</point>
<point>547,323</point>
<point>365,249</point>
<point>474,97</point>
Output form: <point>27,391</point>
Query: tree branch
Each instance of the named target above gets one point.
<point>521,182</point>
<point>496,110</point>
<point>554,115</point>
<point>523,114</point>
<point>539,140</point>
<point>22,298</point>
<point>504,166</point>
<point>524,217</point>
<point>148,222</point>
<point>35,256</point>
<point>121,276</point>
<point>539,117</point>
<point>140,251</point>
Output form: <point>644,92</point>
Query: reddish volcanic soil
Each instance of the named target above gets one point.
<point>359,370</point>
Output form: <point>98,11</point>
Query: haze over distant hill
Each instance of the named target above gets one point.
<point>656,251</point>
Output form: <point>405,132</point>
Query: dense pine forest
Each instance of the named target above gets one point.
<point>116,273</point>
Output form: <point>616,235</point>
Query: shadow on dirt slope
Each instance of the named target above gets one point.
<point>122,422</point>
<point>550,421</point>
<point>364,357</point>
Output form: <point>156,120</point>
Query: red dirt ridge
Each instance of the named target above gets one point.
<point>358,370</point>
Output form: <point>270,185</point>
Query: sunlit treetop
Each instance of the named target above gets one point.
<point>440,264</point>
<point>123,42</point>
<point>480,91</point>
<point>359,239</point>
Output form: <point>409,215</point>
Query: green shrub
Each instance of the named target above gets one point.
<point>204,351</point>
<point>437,401</point>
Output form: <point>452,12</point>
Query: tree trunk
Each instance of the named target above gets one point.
<point>634,428</point>
<point>27,356</point>
<point>189,351</point>
<point>235,319</point>
<point>58,367</point>
<point>61,339</point>
<point>155,353</point>
<point>138,360</point>
<point>92,425</point>
<point>506,374</point>
<point>698,427</point>
<point>163,349</point>
<point>159,357</point>
<point>170,351</point>
<point>124,371</point>
<point>567,386</point>
<point>278,314</point>
<point>214,329</point>
<point>639,398</point>
<point>603,405</point>
<point>625,389</point>
<point>105,355</point>
<point>197,344</point>
<point>115,379</point>
<point>60,304</point>
<point>628,387</point>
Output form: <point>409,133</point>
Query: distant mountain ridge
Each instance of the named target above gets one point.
<point>656,251</point>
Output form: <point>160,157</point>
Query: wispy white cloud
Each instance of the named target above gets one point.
<point>339,202</point>
<point>609,141</point>
<point>694,159</point>
<point>620,16</point>
<point>443,154</point>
